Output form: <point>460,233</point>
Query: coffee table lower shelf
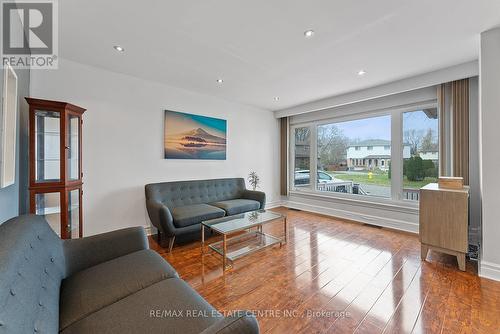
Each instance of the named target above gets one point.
<point>244,244</point>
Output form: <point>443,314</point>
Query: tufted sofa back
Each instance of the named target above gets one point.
<point>32,266</point>
<point>180,193</point>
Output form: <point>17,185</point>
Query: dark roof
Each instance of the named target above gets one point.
<point>372,142</point>
<point>377,156</point>
<point>431,113</point>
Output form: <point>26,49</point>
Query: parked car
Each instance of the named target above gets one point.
<point>302,177</point>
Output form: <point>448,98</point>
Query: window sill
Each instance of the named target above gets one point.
<point>377,203</point>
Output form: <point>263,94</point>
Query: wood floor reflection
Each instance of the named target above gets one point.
<point>340,277</point>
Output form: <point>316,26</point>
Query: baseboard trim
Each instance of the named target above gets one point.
<point>149,230</point>
<point>361,218</point>
<point>274,204</point>
<point>489,270</point>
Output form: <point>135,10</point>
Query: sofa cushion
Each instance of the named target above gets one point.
<point>169,306</point>
<point>193,214</point>
<point>32,266</point>
<point>96,287</point>
<point>236,206</point>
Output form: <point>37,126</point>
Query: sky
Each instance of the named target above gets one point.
<point>178,122</point>
<point>380,127</point>
<point>367,128</point>
<point>418,120</point>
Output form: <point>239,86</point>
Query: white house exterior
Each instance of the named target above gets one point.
<point>372,154</point>
<point>429,155</point>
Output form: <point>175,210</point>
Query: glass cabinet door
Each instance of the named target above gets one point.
<point>49,206</point>
<point>47,146</point>
<point>55,178</point>
<point>73,148</point>
<point>74,214</point>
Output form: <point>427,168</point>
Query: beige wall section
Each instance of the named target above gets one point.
<point>490,154</point>
<point>123,140</point>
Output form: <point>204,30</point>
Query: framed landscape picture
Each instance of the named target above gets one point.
<point>189,136</point>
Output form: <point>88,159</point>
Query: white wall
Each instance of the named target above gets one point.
<point>405,100</point>
<point>123,140</point>
<point>489,63</point>
<point>474,159</point>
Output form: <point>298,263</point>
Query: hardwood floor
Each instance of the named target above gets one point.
<point>340,277</point>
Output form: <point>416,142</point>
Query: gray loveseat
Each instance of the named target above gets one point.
<point>108,283</point>
<point>177,208</point>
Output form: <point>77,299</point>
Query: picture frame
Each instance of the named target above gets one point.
<point>8,128</point>
<point>190,136</point>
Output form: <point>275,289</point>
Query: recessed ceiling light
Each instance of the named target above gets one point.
<point>276,98</point>
<point>118,48</point>
<point>309,33</point>
<point>361,72</point>
<point>220,81</point>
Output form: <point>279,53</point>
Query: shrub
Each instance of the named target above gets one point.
<point>430,169</point>
<point>413,168</point>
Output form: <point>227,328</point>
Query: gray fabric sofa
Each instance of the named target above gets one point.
<point>108,283</point>
<point>177,208</point>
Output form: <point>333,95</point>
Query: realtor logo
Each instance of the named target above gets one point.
<point>29,34</point>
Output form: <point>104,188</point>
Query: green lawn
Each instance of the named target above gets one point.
<point>418,184</point>
<point>379,179</point>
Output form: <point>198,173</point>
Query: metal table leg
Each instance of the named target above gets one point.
<point>286,229</point>
<point>202,239</point>
<point>224,250</point>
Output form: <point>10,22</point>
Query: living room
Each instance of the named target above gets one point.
<point>246,167</point>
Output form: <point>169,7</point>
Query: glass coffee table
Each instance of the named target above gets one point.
<point>242,234</point>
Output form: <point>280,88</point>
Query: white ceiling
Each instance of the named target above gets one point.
<point>258,46</point>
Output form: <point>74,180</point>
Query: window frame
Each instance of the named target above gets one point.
<point>402,148</point>
<point>396,115</point>
<point>291,162</point>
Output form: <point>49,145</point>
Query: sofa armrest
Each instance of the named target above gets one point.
<point>256,196</point>
<point>161,217</point>
<point>241,322</point>
<point>90,251</point>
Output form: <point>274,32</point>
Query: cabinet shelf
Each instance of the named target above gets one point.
<point>49,210</point>
<point>48,133</point>
<point>54,210</point>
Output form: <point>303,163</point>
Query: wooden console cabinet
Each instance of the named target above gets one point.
<point>444,217</point>
<point>55,164</point>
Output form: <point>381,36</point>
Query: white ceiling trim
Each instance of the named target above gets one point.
<point>406,101</point>
<point>461,71</point>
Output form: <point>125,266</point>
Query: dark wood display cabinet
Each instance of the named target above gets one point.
<point>55,165</point>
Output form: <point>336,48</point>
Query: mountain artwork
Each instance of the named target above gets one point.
<point>189,136</point>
